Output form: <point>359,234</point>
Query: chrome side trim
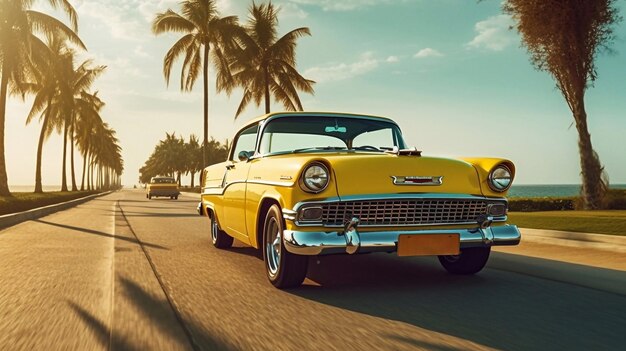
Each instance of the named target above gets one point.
<point>322,243</point>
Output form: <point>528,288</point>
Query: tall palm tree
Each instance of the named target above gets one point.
<point>46,88</point>
<point>19,43</point>
<point>206,37</point>
<point>266,65</point>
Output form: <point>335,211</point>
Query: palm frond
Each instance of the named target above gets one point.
<point>178,49</point>
<point>170,21</point>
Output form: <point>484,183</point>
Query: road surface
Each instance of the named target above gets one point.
<point>125,273</point>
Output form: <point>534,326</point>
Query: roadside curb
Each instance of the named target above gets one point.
<point>572,239</point>
<point>12,219</point>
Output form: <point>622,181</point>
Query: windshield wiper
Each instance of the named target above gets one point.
<point>317,148</point>
<point>368,148</point>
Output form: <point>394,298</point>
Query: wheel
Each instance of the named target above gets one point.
<point>176,197</point>
<point>469,261</point>
<point>149,197</point>
<point>171,198</point>
<point>219,238</point>
<point>284,269</point>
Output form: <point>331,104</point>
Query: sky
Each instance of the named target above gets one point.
<point>450,72</point>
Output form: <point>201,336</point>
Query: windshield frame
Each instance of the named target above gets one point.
<point>397,133</point>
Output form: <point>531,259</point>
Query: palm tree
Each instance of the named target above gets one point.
<point>87,129</point>
<point>45,89</point>
<point>194,157</point>
<point>266,65</point>
<point>73,103</point>
<point>206,36</point>
<point>19,45</point>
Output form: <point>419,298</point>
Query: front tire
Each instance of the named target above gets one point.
<point>469,261</point>
<point>219,238</point>
<point>284,269</point>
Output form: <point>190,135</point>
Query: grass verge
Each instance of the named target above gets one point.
<point>602,222</point>
<point>27,201</point>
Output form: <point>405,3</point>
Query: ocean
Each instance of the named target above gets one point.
<point>552,190</point>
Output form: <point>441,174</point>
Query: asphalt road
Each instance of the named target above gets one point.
<point>124,272</point>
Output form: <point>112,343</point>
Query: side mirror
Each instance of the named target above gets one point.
<point>243,156</point>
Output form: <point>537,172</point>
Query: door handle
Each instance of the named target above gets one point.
<point>230,166</point>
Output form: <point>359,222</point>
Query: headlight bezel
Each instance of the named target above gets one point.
<point>303,183</point>
<point>492,180</point>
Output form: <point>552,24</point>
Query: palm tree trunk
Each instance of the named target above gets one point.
<point>267,91</point>
<point>594,185</point>
<point>42,138</point>
<point>82,181</point>
<point>206,105</point>
<point>4,82</point>
<point>74,188</point>
<point>193,175</point>
<point>88,160</point>
<point>63,174</point>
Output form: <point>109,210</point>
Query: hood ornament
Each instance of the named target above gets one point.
<point>417,180</point>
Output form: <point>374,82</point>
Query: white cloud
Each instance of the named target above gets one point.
<point>341,71</point>
<point>342,5</point>
<point>392,59</point>
<point>290,10</point>
<point>493,33</point>
<point>428,52</point>
<point>149,8</point>
<point>116,16</point>
<point>140,52</point>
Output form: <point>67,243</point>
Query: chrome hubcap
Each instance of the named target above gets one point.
<point>213,230</point>
<point>272,247</point>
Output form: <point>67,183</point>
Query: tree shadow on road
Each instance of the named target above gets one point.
<point>99,233</point>
<point>498,309</point>
<point>158,311</point>
<point>100,330</point>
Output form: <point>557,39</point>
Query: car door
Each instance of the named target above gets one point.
<point>235,183</point>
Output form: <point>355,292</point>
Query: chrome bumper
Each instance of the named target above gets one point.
<point>351,241</point>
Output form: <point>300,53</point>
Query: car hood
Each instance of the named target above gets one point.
<point>357,174</point>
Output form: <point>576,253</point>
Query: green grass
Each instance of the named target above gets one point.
<point>602,222</point>
<point>25,201</point>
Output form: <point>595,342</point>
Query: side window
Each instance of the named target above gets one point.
<point>246,141</point>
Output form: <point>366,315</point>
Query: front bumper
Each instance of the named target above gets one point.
<point>351,241</point>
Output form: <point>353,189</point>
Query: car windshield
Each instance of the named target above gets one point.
<point>163,181</point>
<point>311,134</point>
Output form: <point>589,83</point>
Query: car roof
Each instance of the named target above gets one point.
<point>312,114</point>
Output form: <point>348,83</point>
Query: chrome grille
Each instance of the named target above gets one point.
<point>403,211</point>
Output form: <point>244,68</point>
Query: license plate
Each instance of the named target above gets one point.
<point>428,244</point>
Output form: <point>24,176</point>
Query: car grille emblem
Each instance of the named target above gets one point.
<point>417,180</point>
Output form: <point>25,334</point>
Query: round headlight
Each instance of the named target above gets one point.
<point>315,178</point>
<point>500,178</point>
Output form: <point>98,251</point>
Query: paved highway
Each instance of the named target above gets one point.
<point>125,273</point>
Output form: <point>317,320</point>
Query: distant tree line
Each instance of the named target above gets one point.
<point>38,59</point>
<point>174,157</point>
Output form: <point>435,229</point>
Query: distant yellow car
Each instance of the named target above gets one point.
<point>304,184</point>
<point>162,187</point>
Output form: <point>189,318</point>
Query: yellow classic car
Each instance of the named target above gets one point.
<point>301,184</point>
<point>162,187</point>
